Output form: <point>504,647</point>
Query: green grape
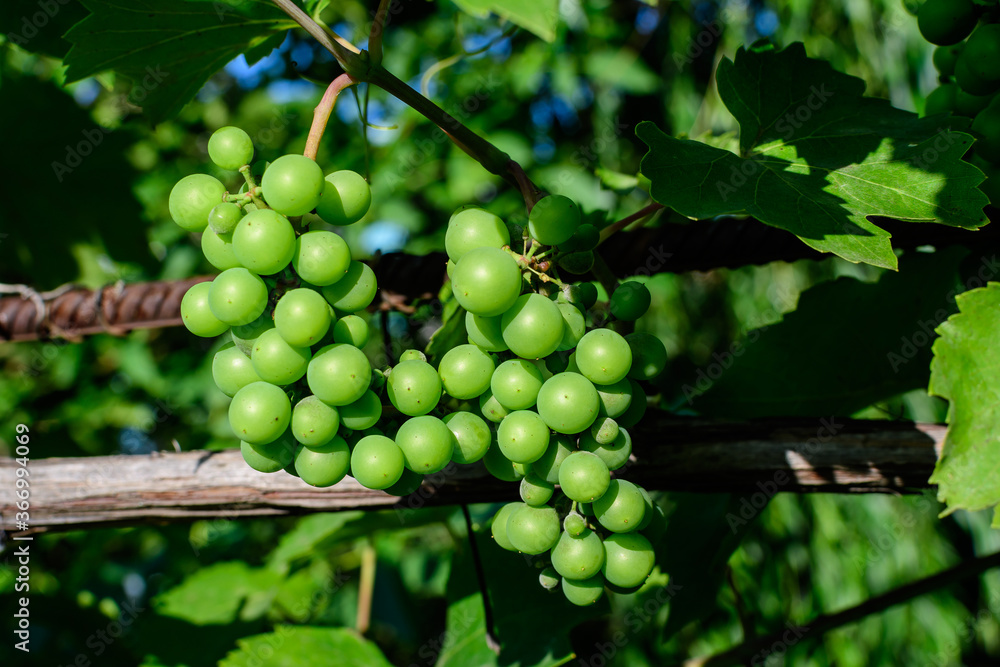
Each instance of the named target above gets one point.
<point>272,456</point>
<point>588,295</point>
<point>193,198</point>
<point>230,148</point>
<point>302,317</point>
<point>499,526</point>
<point>500,466</point>
<point>945,58</point>
<point>630,301</point>
<point>414,387</point>
<point>553,220</point>
<point>324,468</point>
<point>259,413</point>
<point>535,491</point>
<point>628,559</point>
<point>355,291</point>
<point>603,356</point>
<point>548,579</point>
<point>978,68</point>
<point>574,524</point>
<point>586,237</point>
<point>486,281</point>
<point>292,185</point>
<point>362,413</point>
<point>237,296</point>
<point>465,371</point>
<point>197,315</point>
<point>224,217</point>
<point>321,258</point>
<point>471,228</point>
<point>583,593</point>
<point>649,356</point>
<point>578,556</point>
<point>232,370</point>
<point>472,436</point>
<point>276,361</point>
<point>491,408</point>
<point>515,384</point>
<point>942,99</point>
<point>615,398</point>
<point>615,454</point>
<point>339,374</point>
<point>577,263</point>
<point>636,409</point>
<point>533,530</point>
<point>583,477</point>
<point>522,436</point>
<point>351,330</point>
<point>547,467</point>
<point>427,444</point>
<point>621,508</point>
<point>408,482</point>
<point>412,355</point>
<point>246,335</point>
<point>568,403</point>
<point>574,326</point>
<point>376,462</point>
<point>986,127</point>
<point>604,430</point>
<point>970,105</point>
<point>314,423</point>
<point>485,332</point>
<point>264,242</point>
<point>946,22</point>
<point>532,327</point>
<point>650,509</point>
<point>345,199</point>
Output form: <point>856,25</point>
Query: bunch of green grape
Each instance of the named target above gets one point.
<point>967,58</point>
<point>536,394</point>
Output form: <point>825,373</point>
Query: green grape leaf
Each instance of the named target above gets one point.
<point>966,371</point>
<point>818,159</point>
<point>711,527</point>
<point>452,330</point>
<point>848,345</point>
<point>293,646</point>
<point>539,16</point>
<point>39,26</point>
<point>169,48</point>
<point>214,595</point>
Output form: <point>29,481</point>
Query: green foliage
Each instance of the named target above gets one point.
<point>817,158</point>
<point>539,16</point>
<point>219,594</point>
<point>290,646</point>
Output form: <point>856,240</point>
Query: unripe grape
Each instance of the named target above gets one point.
<point>339,374</point>
<point>532,327</point>
<point>945,58</point>
<point>376,462</point>
<point>515,384</point>
<point>314,423</point>
<point>621,508</point>
<point>577,263</point>
<point>292,185</point>
<point>584,477</point>
<point>193,198</point>
<point>578,557</point>
<point>628,559</point>
<point>535,491</point>
<point>472,228</point>
<point>224,217</point>
<point>588,295</point>
<point>278,362</point>
<point>615,398</point>
<point>490,407</point>
<point>272,456</point>
<point>230,148</point>
<point>586,237</point>
<point>978,66</point>
<point>485,332</point>
<point>465,371</point>
<point>615,454</point>
<point>574,524</point>
<point>218,250</point>
<point>197,315</point>
<point>264,242</point>
<point>486,281</point>
<point>472,436</point>
<point>942,99</point>
<point>352,330</point>
<point>362,413</point>
<point>427,444</point>
<point>568,403</point>
<point>574,326</point>
<point>414,387</point>
<point>604,430</point>
<point>324,467</point>
<point>547,467</point>
<point>345,199</point>
<point>259,413</point>
<point>355,291</point>
<point>499,525</point>
<point>649,356</point>
<point>246,335</point>
<point>630,301</point>
<point>946,22</point>
<point>636,409</point>
<point>603,356</point>
<point>500,466</point>
<point>232,370</point>
<point>553,220</point>
<point>522,436</point>
<point>302,317</point>
<point>986,127</point>
<point>321,258</point>
<point>584,592</point>
<point>412,355</point>
<point>533,530</point>
<point>237,296</point>
<point>548,579</point>
<point>407,483</point>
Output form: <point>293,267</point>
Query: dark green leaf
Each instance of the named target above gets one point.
<point>215,594</point>
<point>294,646</point>
<point>539,16</point>
<point>452,331</point>
<point>966,371</point>
<point>169,48</point>
<point>848,345</point>
<point>39,26</point>
<point>817,159</point>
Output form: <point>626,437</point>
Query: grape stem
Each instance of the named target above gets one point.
<point>378,29</point>
<point>321,114</point>
<point>252,187</point>
<point>366,587</point>
<point>491,638</point>
<point>644,212</point>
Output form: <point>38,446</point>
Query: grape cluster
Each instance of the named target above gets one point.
<point>967,58</point>
<point>536,394</point>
